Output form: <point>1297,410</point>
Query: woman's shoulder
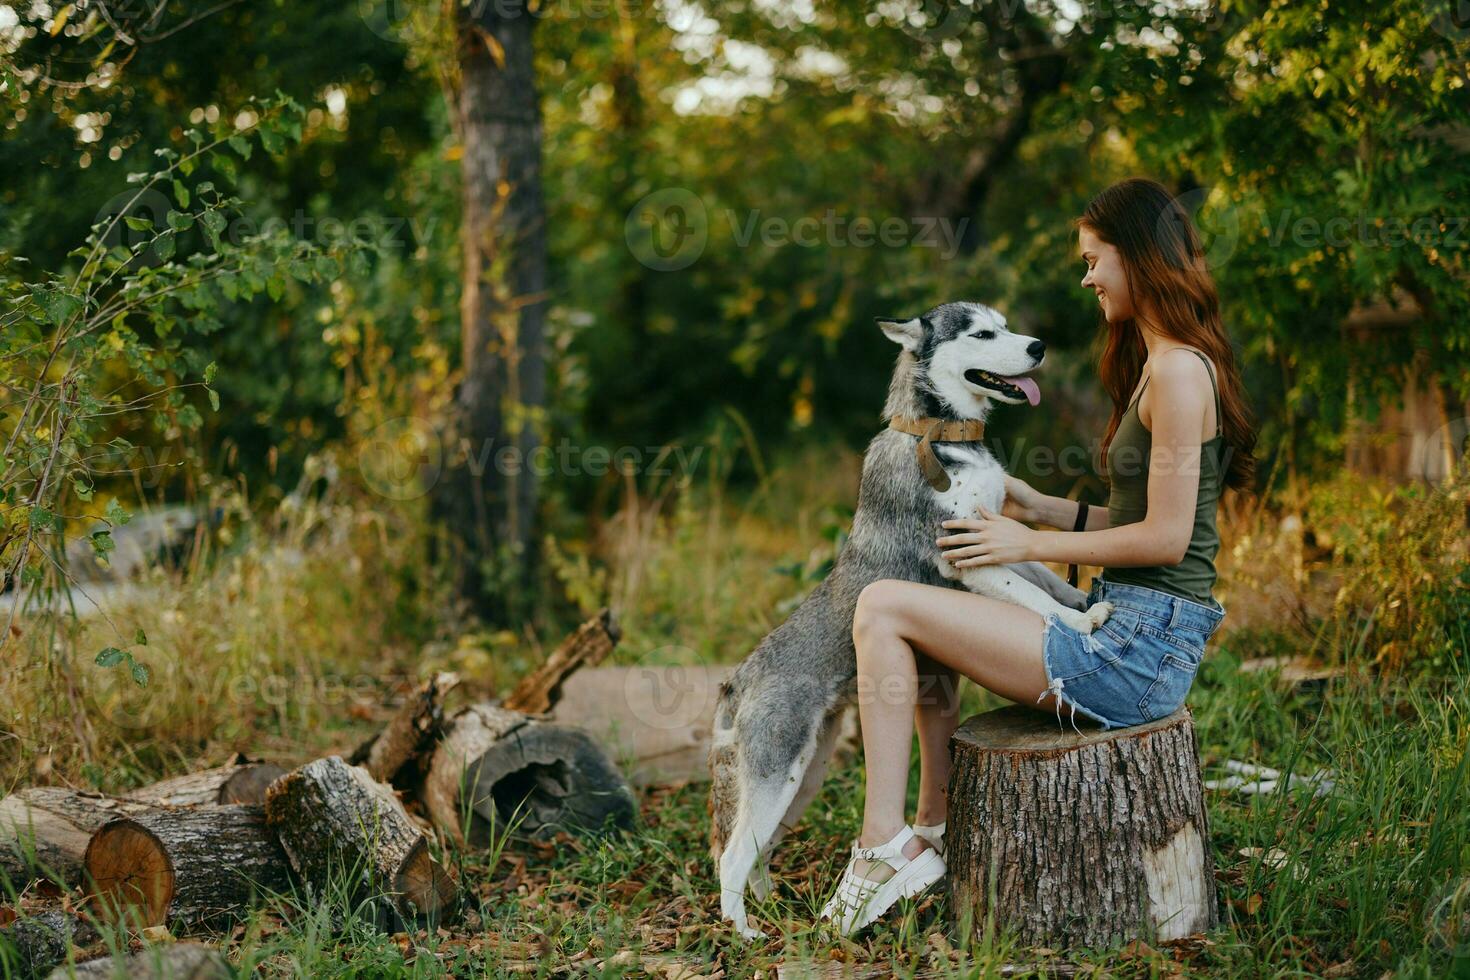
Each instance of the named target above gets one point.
<point>1179,376</point>
<point>1181,366</point>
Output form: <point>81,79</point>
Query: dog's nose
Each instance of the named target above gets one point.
<point>1036,348</point>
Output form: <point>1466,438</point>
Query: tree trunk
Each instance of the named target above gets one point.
<point>227,784</point>
<point>1083,840</point>
<point>335,820</point>
<point>44,831</point>
<point>188,868</point>
<point>516,770</point>
<point>490,500</point>
<point>169,961</point>
<point>410,737</point>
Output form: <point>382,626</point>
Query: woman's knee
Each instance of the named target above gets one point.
<point>877,608</point>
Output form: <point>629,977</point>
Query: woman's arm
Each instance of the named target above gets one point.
<point>1180,392</point>
<point>1025,503</point>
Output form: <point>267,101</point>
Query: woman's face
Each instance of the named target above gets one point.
<point>1105,275</point>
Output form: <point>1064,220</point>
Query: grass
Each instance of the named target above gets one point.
<point>1370,879</point>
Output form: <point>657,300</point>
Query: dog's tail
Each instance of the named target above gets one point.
<point>724,794</point>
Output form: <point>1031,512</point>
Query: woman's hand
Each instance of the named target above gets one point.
<point>1021,500</point>
<point>990,539</point>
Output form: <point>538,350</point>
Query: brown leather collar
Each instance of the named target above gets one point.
<point>932,430</point>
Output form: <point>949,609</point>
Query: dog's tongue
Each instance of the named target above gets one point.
<point>1033,393</point>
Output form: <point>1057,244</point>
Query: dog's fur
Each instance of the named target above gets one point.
<point>778,715</point>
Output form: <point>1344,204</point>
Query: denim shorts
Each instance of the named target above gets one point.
<point>1135,668</point>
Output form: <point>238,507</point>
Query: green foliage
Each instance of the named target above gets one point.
<point>103,342</point>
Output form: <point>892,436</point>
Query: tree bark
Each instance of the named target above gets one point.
<point>54,824</point>
<point>40,940</point>
<point>1071,840</point>
<point>334,820</point>
<point>188,868</point>
<point>171,961</point>
<point>538,691</point>
<point>490,501</point>
<point>227,784</point>
<point>503,768</point>
<point>411,735</point>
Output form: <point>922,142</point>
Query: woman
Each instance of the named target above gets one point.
<point>1179,430</point>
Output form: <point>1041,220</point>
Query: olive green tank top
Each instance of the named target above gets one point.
<point>1127,463</point>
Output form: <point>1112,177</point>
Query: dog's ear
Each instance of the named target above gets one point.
<point>908,334</point>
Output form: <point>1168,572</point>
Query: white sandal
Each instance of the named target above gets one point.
<point>859,901</point>
<point>933,833</point>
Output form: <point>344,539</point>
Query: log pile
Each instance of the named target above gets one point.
<point>194,853</point>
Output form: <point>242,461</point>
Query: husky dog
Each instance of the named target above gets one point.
<point>778,715</point>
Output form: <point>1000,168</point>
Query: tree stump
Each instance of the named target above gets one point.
<point>1073,840</point>
<point>499,766</point>
<point>186,867</point>
<point>44,831</point>
<point>243,783</point>
<point>336,821</point>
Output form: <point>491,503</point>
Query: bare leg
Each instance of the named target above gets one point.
<point>894,622</point>
<point>937,716</point>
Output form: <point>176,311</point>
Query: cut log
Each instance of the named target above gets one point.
<point>165,961</point>
<point>188,868</point>
<point>37,942</point>
<point>654,721</point>
<point>494,762</point>
<point>335,819</point>
<point>44,831</point>
<point>539,690</point>
<point>1069,840</point>
<point>410,737</point>
<point>227,784</point>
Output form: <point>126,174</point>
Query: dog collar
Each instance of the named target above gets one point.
<point>931,430</point>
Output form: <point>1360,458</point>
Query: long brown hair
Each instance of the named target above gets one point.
<point>1164,264</point>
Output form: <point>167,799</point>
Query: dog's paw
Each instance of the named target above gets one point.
<point>747,931</point>
<point>1099,613</point>
<point>1079,621</point>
